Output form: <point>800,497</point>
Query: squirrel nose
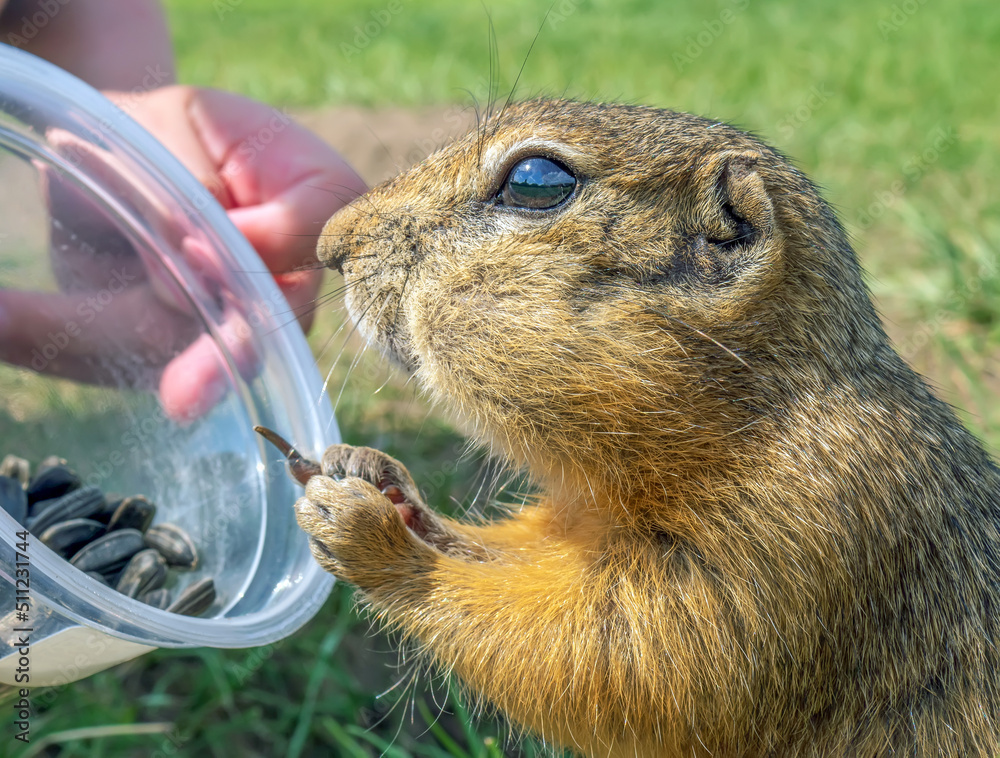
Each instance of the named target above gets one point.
<point>338,238</point>
<point>336,260</point>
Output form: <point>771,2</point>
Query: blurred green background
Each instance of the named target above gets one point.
<point>891,107</point>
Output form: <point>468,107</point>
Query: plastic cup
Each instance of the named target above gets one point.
<point>131,256</point>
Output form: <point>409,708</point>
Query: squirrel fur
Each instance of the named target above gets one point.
<point>757,533</point>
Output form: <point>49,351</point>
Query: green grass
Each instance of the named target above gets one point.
<point>897,121</point>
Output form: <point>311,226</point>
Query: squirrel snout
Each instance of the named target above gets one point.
<point>337,238</point>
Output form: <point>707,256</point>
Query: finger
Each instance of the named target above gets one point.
<point>237,133</point>
<point>284,231</point>
<point>36,331</point>
<point>285,228</point>
<point>200,377</point>
<point>268,160</point>
<point>123,337</point>
<point>84,242</point>
<point>163,113</point>
<point>194,382</point>
<point>87,241</point>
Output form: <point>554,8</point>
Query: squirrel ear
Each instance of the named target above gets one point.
<point>734,224</point>
<point>736,194</point>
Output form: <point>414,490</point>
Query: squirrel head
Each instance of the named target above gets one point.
<point>603,288</point>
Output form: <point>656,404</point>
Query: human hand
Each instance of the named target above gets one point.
<point>278,183</point>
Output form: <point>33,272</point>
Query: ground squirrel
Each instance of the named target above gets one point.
<point>758,531</point>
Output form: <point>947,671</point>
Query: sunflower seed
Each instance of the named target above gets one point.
<point>16,468</point>
<point>146,570</point>
<point>13,498</point>
<point>52,482</point>
<point>157,598</point>
<point>109,554</point>
<point>77,504</point>
<point>107,510</point>
<point>134,512</point>
<point>39,505</point>
<point>195,600</point>
<point>174,544</point>
<point>299,468</point>
<point>67,537</point>
<point>51,461</point>
<point>102,535</point>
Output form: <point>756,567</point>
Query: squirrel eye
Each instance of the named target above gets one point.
<point>537,183</point>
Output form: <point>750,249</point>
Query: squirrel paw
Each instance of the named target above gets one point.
<point>375,467</point>
<point>356,532</point>
<point>363,513</point>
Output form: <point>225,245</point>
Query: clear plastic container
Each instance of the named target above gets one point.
<point>110,239</point>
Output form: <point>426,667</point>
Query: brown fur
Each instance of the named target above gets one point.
<point>760,533</point>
